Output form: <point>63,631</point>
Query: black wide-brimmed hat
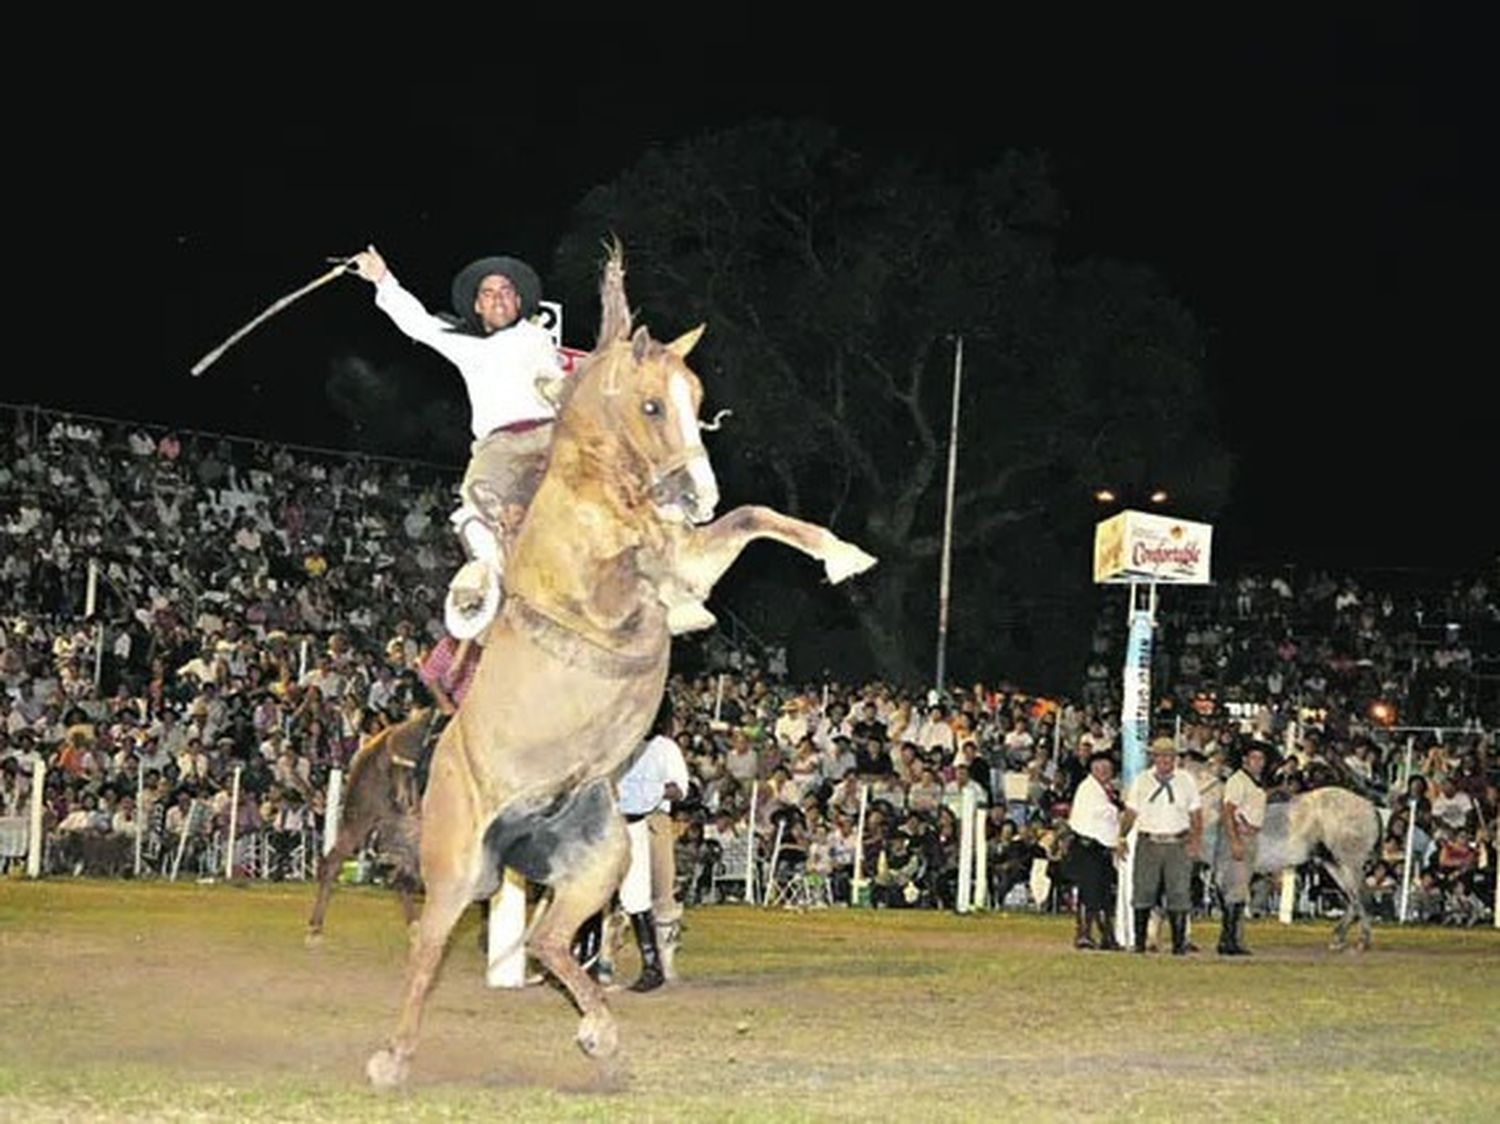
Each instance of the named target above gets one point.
<point>522,276</point>
<point>1272,754</point>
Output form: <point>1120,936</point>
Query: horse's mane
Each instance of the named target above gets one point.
<point>615,321</point>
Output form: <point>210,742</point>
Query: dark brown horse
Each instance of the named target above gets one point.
<point>613,556</point>
<point>380,803</point>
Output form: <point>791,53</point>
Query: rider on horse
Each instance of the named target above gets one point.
<point>507,362</point>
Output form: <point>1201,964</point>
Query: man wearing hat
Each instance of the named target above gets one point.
<point>1095,821</point>
<point>1164,804</point>
<point>506,362</point>
<point>656,778</point>
<point>1243,816</point>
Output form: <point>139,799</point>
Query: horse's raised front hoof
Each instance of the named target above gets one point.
<point>689,617</point>
<point>845,560</point>
<point>386,1069</point>
<point>598,1036</point>
<point>1338,944</point>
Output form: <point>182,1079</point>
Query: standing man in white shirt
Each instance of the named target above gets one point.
<point>1095,821</point>
<point>656,778</point>
<point>1244,814</point>
<point>1165,804</point>
<point>504,359</point>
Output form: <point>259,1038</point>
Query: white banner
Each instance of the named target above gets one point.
<point>1137,546</point>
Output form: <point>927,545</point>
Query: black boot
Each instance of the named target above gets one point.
<point>1081,938</point>
<point>1237,930</point>
<point>1226,931</point>
<point>1178,919</point>
<point>1106,931</point>
<point>644,925</point>
<point>586,944</point>
<point>1142,922</point>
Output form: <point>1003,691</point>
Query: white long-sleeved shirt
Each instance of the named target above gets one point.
<point>643,787</point>
<point>499,370</point>
<point>1094,814</point>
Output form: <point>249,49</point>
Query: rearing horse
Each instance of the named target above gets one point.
<point>612,558</point>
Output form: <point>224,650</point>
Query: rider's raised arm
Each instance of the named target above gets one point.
<point>407,312</point>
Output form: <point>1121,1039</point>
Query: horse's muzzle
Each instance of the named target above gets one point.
<point>692,495</point>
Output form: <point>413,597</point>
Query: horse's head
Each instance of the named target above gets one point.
<point>648,399</point>
<point>655,404</point>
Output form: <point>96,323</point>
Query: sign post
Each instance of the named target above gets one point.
<point>1143,550</point>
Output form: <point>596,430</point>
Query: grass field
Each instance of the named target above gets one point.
<point>162,1002</point>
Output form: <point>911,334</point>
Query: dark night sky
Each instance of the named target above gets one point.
<point>1323,198</point>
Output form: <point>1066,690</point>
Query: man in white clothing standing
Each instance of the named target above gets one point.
<point>1166,805</point>
<point>656,778</point>
<point>1243,816</point>
<point>1095,821</point>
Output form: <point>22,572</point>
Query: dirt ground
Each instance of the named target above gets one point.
<point>150,1001</point>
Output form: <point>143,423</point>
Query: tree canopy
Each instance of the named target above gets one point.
<point>835,288</point>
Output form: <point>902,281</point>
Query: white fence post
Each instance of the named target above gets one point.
<point>332,808</point>
<point>505,946</point>
<point>234,822</point>
<point>750,850</point>
<point>857,883</point>
<point>965,900</point>
<point>981,859</point>
<point>140,812</point>
<point>36,840</point>
<point>1411,832</point>
<point>1288,895</point>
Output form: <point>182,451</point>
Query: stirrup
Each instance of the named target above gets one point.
<point>472,601</point>
<point>477,535</point>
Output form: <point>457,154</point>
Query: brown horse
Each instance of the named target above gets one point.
<point>613,556</point>
<point>380,801</point>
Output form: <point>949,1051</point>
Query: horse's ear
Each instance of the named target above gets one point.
<point>686,342</point>
<point>640,344</point>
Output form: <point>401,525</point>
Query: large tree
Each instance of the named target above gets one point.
<point>835,288</point>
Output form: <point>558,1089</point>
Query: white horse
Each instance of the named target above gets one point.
<point>1338,828</point>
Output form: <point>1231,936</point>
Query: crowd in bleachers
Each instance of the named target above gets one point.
<point>262,608</point>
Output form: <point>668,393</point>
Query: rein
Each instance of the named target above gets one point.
<point>688,454</point>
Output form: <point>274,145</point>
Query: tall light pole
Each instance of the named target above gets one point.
<point>944,582</point>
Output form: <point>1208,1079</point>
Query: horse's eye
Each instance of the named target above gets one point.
<point>651,407</point>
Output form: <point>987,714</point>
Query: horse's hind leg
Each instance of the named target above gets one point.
<point>1349,882</point>
<point>1361,907</point>
<point>583,880</point>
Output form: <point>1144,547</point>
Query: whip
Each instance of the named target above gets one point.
<point>344,265</point>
